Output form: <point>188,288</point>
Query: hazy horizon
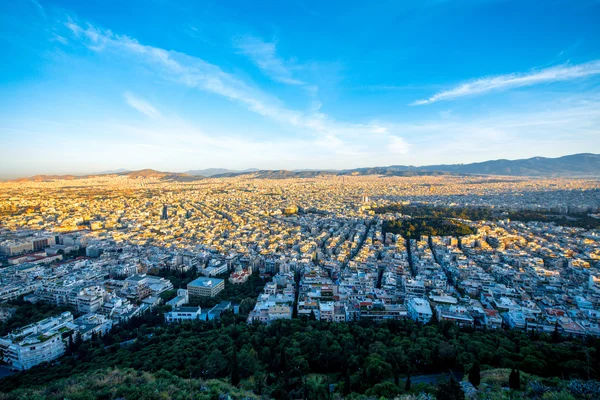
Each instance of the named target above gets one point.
<point>126,170</point>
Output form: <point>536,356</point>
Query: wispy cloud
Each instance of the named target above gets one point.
<point>194,72</point>
<point>39,7</point>
<point>484,85</point>
<point>60,39</point>
<point>141,105</point>
<point>264,55</point>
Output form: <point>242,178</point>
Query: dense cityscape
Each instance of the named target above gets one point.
<point>107,249</point>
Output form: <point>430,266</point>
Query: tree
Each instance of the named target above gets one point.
<point>407,384</point>
<point>283,361</point>
<point>475,374</point>
<point>235,370</point>
<point>247,305</point>
<point>514,380</point>
<point>347,384</point>
<point>376,369</point>
<point>215,364</point>
<point>555,333</point>
<point>248,362</point>
<point>449,390</point>
<point>384,389</point>
<point>397,359</point>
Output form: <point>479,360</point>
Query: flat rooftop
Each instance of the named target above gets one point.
<point>205,282</point>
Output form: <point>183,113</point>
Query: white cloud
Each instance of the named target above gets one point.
<point>484,85</point>
<point>141,105</point>
<point>397,145</point>
<point>379,129</point>
<point>264,55</point>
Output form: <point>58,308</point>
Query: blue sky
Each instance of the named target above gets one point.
<point>180,85</point>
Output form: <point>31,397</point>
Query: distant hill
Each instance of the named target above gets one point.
<point>277,174</point>
<point>144,173</point>
<point>112,171</point>
<point>165,176</point>
<point>585,164</point>
<point>218,171</point>
<point>576,165</point>
<point>43,178</point>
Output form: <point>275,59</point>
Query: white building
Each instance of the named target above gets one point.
<point>205,287</point>
<point>45,340</point>
<point>326,311</point>
<point>268,311</point>
<point>179,314</point>
<point>142,286</point>
<point>37,343</point>
<point>419,310</point>
<point>90,324</point>
<point>214,271</point>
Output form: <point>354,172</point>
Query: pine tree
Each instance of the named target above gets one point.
<point>475,374</point>
<point>347,384</point>
<point>235,370</point>
<point>555,333</point>
<point>450,390</point>
<point>283,361</point>
<point>407,384</point>
<point>514,380</point>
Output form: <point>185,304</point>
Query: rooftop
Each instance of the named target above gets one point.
<point>205,282</point>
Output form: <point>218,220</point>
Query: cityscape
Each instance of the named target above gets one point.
<point>113,248</point>
<point>301,200</point>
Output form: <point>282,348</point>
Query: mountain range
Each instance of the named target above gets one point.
<point>576,165</point>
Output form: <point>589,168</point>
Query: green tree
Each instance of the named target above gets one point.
<point>215,364</point>
<point>235,370</point>
<point>384,389</point>
<point>377,369</point>
<point>475,374</point>
<point>449,390</point>
<point>248,362</point>
<point>514,380</point>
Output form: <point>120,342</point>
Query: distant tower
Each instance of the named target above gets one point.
<point>165,213</point>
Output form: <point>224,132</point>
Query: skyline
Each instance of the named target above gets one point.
<point>176,87</point>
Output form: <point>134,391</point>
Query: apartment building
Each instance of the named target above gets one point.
<point>179,314</point>
<point>37,343</point>
<point>205,287</point>
<point>419,310</point>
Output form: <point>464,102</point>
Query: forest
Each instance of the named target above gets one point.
<point>575,220</point>
<point>417,227</point>
<point>290,357</point>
